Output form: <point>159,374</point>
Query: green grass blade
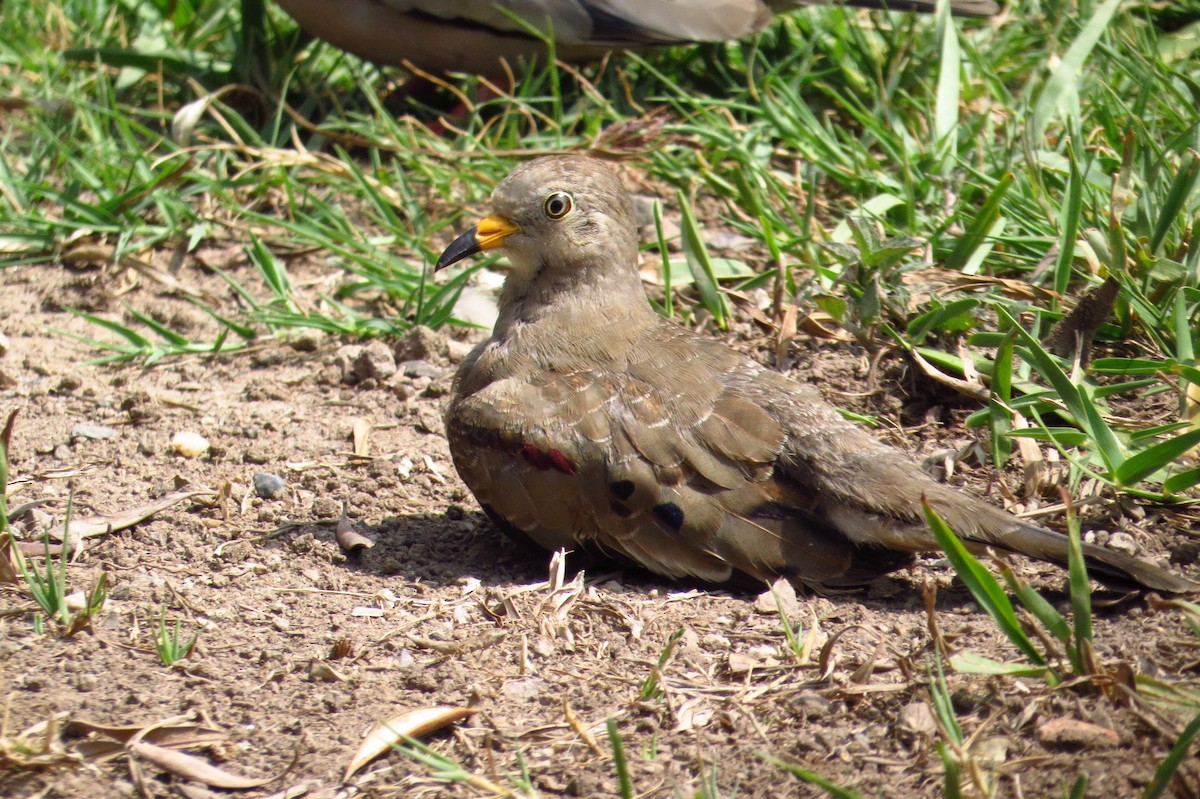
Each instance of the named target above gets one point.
<point>999,399</point>
<point>943,704</point>
<point>1166,770</point>
<point>830,787</point>
<point>1152,459</point>
<point>977,232</point>
<point>1174,205</point>
<point>665,255</point>
<point>973,663</point>
<point>121,330</point>
<point>1036,604</point>
<point>1076,401</point>
<point>1068,222</point>
<point>619,760</point>
<point>1178,483</point>
<point>1060,93</point>
<point>700,263</point>
<point>983,586</point>
<point>1184,350</point>
<point>1081,591</point>
<point>949,90</point>
<point>952,786</point>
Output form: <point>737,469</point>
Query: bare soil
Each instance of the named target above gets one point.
<point>444,610</point>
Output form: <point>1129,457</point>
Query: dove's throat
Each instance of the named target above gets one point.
<point>564,296</point>
<point>554,322</point>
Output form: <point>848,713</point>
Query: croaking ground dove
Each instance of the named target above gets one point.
<point>589,421</point>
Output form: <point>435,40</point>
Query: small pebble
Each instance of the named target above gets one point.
<point>306,341</point>
<point>1122,542</point>
<point>96,432</point>
<point>781,595</point>
<point>420,343</point>
<point>257,455</point>
<point>375,361</point>
<point>421,368</point>
<point>524,690</point>
<point>66,385</point>
<point>267,485</point>
<point>917,717</point>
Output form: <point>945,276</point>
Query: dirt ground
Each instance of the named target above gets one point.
<point>302,647</point>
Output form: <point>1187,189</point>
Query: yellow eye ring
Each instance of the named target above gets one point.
<point>558,205</point>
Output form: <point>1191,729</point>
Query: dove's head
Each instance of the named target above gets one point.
<point>566,224</point>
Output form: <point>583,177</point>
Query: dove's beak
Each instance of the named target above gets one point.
<point>489,234</point>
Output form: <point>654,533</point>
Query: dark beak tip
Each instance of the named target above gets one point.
<point>462,247</point>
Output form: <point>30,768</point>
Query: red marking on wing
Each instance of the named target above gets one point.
<point>560,462</point>
<point>536,457</point>
<point>547,460</point>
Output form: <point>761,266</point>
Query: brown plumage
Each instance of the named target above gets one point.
<point>588,420</point>
<point>473,35</point>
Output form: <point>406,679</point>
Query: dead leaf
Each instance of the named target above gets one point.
<point>319,670</point>
<point>163,734</point>
<point>8,566</point>
<point>299,789</point>
<point>435,471</point>
<point>463,645</point>
<point>1063,731</point>
<point>1075,331</point>
<point>113,739</point>
<point>362,437</point>
<point>190,767</point>
<point>691,714</point>
<point>412,724</point>
<point>826,661</point>
<point>111,522</point>
<point>38,746</point>
<point>95,253</point>
<point>349,539</point>
<point>779,598</point>
<point>190,791</point>
<point>37,549</point>
<point>582,731</point>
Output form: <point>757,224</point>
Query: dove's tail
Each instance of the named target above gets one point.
<point>960,8</point>
<point>1105,564</point>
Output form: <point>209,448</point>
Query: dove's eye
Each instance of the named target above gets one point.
<point>558,205</point>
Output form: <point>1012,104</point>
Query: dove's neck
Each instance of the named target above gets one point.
<point>547,294</point>
<point>577,310</point>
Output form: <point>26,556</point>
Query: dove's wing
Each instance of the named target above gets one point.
<point>665,462</point>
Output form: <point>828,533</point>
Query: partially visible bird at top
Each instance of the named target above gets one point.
<point>474,35</point>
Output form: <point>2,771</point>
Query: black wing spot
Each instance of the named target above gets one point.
<point>622,488</point>
<point>669,514</point>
